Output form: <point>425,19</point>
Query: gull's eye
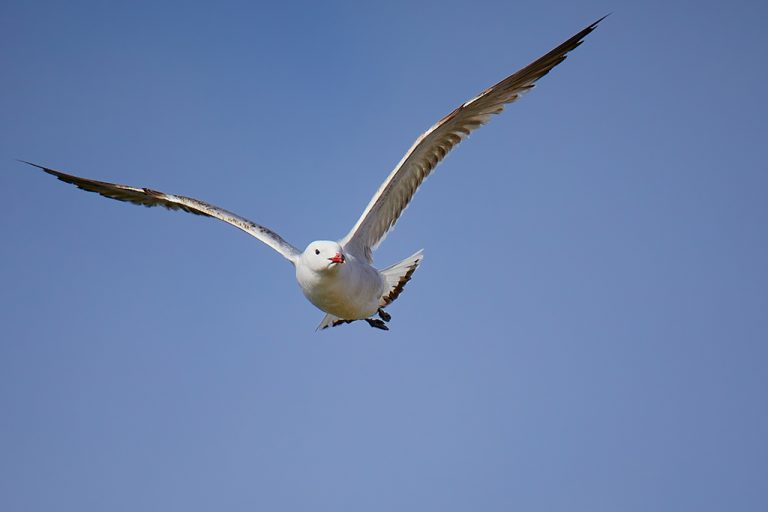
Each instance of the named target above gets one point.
<point>317,251</point>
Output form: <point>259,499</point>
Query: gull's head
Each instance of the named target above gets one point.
<point>323,255</point>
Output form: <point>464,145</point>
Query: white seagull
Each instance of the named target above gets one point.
<point>339,277</point>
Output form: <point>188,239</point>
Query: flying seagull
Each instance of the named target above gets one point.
<point>339,277</point>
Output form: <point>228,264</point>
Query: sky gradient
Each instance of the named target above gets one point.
<point>587,331</point>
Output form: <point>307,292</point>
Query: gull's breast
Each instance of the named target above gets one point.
<point>351,293</point>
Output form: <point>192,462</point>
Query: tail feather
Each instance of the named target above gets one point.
<point>398,275</point>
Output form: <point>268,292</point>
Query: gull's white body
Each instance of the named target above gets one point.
<point>339,277</point>
<point>351,290</point>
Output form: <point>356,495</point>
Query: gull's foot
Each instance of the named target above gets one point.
<point>378,324</point>
<point>384,315</point>
<point>340,322</point>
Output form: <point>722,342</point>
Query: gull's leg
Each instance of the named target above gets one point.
<point>378,324</point>
<point>384,315</point>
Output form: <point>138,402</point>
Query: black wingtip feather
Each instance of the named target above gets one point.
<point>30,163</point>
<point>45,169</point>
<point>601,19</point>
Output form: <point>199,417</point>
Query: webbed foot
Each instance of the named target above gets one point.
<point>384,315</point>
<point>378,324</point>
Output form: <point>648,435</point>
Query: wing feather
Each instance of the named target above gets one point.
<point>149,198</point>
<point>430,148</point>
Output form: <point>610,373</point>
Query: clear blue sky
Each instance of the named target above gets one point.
<point>587,331</point>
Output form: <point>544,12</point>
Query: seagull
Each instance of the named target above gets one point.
<point>338,277</point>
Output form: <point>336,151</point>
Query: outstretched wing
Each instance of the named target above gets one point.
<point>429,149</point>
<point>148,197</point>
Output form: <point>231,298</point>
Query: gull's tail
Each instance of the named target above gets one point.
<point>398,275</point>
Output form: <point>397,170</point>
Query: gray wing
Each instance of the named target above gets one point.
<point>429,149</point>
<point>148,197</point>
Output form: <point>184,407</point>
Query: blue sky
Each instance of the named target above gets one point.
<point>587,331</point>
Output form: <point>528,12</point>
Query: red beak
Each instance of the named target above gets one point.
<point>338,258</point>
